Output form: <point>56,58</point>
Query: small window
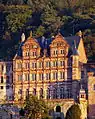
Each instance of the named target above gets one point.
<point>61,63</point>
<point>47,64</point>
<point>26,77</point>
<point>62,51</point>
<point>27,65</point>
<point>40,76</point>
<point>54,63</point>
<point>19,65</point>
<point>55,52</point>
<point>82,96</point>
<point>55,75</point>
<point>40,64</point>
<point>34,65</point>
<point>94,87</point>
<point>34,91</point>
<point>47,76</point>
<point>1,79</point>
<point>1,87</point>
<point>34,54</point>
<point>19,77</point>
<point>41,93</point>
<point>27,54</point>
<point>2,68</point>
<point>61,75</point>
<point>33,76</point>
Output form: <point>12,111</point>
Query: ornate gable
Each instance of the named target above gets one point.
<point>31,42</point>
<point>59,41</point>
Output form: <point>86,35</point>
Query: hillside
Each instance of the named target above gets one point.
<point>45,18</point>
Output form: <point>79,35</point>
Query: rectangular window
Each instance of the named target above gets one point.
<point>34,65</point>
<point>19,77</point>
<point>62,51</point>
<point>19,65</point>
<point>47,64</point>
<point>26,77</point>
<point>34,54</point>
<point>40,64</point>
<point>55,52</point>
<point>55,75</point>
<point>54,63</point>
<point>48,76</point>
<point>61,75</point>
<point>41,76</point>
<point>1,87</point>
<point>61,63</point>
<point>27,54</point>
<point>27,65</point>
<point>2,68</point>
<point>1,79</point>
<point>33,76</point>
<point>94,87</point>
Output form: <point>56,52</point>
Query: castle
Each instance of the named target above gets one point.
<point>53,69</point>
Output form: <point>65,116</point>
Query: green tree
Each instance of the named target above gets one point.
<point>17,16</point>
<point>74,112</point>
<point>37,5</point>
<point>39,31</point>
<point>50,20</point>
<point>35,108</point>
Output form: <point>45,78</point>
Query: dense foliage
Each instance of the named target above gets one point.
<point>35,108</point>
<point>74,112</point>
<point>45,17</point>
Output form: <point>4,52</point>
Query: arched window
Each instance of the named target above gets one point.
<point>27,92</point>
<point>58,108</point>
<point>34,91</point>
<point>41,93</point>
<point>48,93</point>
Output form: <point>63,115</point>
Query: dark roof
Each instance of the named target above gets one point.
<point>19,52</point>
<point>44,44</point>
<point>71,40</point>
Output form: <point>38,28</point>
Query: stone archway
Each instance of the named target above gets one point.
<point>58,108</point>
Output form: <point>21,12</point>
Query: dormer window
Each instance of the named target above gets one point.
<point>55,52</point>
<point>62,51</point>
